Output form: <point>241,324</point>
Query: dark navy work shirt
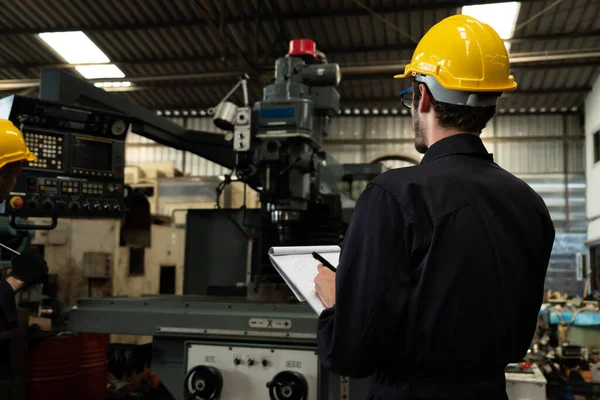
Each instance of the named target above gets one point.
<point>8,308</point>
<point>441,278</point>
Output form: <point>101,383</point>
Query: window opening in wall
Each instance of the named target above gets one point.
<point>595,267</point>
<point>167,279</point>
<point>136,260</point>
<point>596,147</point>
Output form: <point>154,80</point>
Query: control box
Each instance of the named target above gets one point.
<point>80,164</point>
<point>525,384</point>
<point>228,372</point>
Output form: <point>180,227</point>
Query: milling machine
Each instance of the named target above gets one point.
<point>235,334</point>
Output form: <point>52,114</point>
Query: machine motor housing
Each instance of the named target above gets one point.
<point>299,102</point>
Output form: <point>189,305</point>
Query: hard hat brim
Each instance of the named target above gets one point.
<point>506,88</point>
<point>31,157</point>
<point>12,158</point>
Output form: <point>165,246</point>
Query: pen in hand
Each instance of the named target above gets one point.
<point>8,248</point>
<point>323,261</point>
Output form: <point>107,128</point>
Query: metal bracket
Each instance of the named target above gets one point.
<point>13,224</point>
<point>344,388</point>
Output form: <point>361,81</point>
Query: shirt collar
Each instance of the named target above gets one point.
<point>463,144</point>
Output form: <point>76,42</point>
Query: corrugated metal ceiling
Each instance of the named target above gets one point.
<point>158,38</point>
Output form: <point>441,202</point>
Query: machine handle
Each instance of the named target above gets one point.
<point>13,224</point>
<point>127,190</point>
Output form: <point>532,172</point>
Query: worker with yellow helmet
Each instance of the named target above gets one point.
<point>28,268</point>
<point>441,274</point>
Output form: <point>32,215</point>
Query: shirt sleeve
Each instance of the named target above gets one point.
<point>371,287</point>
<point>532,299</point>
<point>8,307</point>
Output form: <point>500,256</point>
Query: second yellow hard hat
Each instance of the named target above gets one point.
<point>12,144</point>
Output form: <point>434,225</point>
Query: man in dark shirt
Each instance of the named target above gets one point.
<point>442,269</point>
<point>28,268</point>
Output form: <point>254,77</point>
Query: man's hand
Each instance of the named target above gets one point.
<point>325,285</point>
<point>15,284</point>
<point>29,268</point>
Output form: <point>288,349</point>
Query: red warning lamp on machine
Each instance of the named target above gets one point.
<point>302,47</point>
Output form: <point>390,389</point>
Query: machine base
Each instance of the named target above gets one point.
<point>188,329</point>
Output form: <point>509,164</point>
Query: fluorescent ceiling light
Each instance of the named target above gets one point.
<point>75,47</point>
<point>113,84</point>
<point>100,71</point>
<point>500,16</point>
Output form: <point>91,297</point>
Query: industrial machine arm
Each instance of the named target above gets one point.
<point>276,146</point>
<point>62,87</point>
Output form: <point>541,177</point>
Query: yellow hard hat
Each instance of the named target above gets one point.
<point>12,144</point>
<point>462,54</point>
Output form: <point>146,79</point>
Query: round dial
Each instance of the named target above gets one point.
<point>338,75</point>
<point>118,127</point>
<point>242,117</point>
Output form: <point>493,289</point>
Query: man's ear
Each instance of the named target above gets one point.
<point>2,180</point>
<point>426,98</point>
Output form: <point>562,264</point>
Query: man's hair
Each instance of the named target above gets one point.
<point>464,118</point>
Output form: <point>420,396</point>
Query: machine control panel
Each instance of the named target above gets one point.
<point>79,171</point>
<point>47,148</point>
<point>213,371</point>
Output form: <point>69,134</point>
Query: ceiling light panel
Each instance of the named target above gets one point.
<point>102,71</point>
<point>500,16</point>
<point>74,47</point>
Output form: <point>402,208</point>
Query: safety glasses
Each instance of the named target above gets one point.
<point>407,97</point>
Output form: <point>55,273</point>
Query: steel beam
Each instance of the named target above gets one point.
<point>371,75</point>
<point>357,103</point>
<point>515,59</point>
<point>351,72</point>
<point>518,60</point>
<point>497,139</point>
<point>297,15</point>
<point>566,90</point>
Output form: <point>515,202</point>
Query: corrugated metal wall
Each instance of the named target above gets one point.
<point>545,150</point>
<point>140,149</point>
<point>523,144</point>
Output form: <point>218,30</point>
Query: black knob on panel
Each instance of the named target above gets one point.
<point>48,205</point>
<point>264,363</point>
<point>96,207</point>
<point>288,385</point>
<point>117,208</point>
<point>237,361</point>
<point>87,206</point>
<point>33,204</point>
<point>250,361</point>
<point>107,207</point>
<point>203,382</point>
<point>74,206</point>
